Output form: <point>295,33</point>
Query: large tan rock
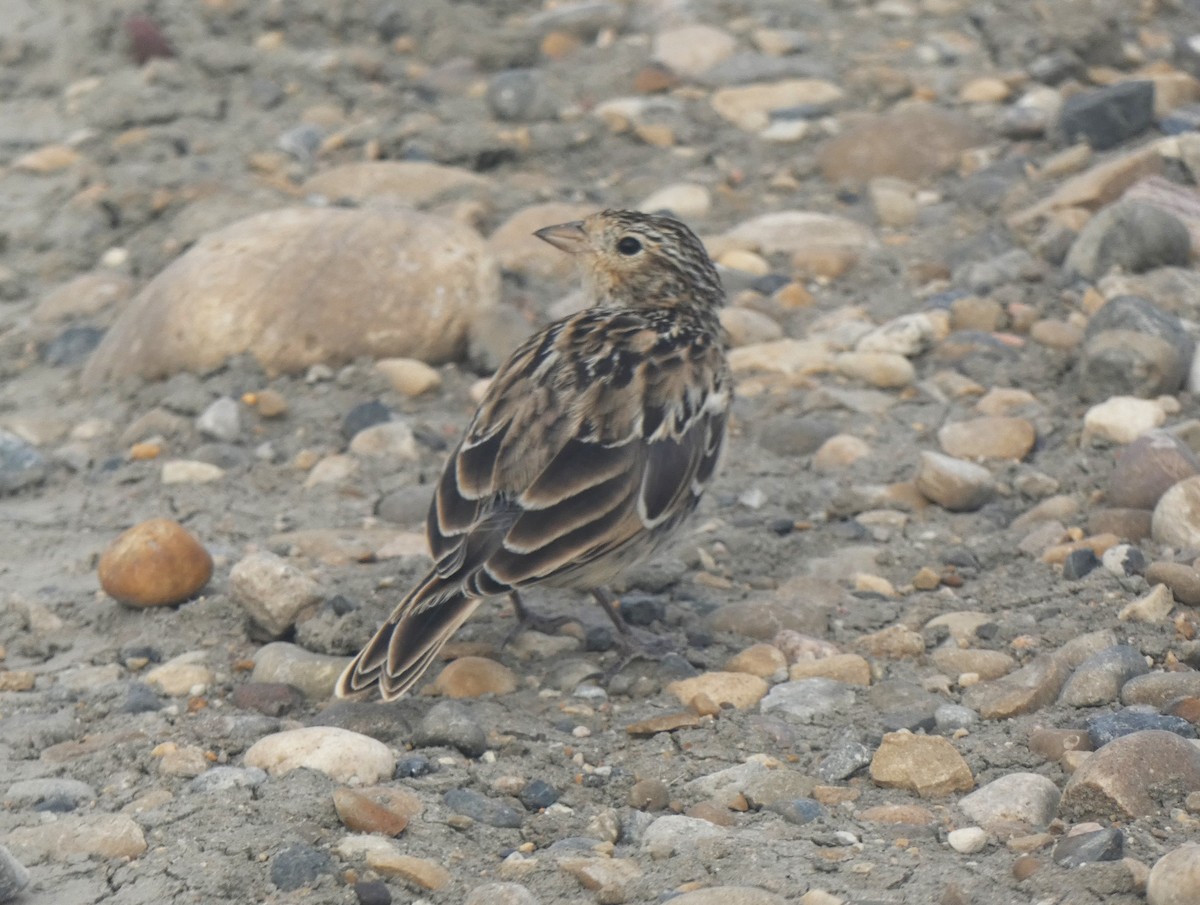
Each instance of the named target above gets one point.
<point>414,182</point>
<point>299,286</point>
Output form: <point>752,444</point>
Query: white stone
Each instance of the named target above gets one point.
<point>222,420</point>
<point>749,106</point>
<point>685,200</point>
<point>340,754</point>
<point>189,471</point>
<point>908,335</point>
<point>968,840</point>
<point>1154,607</point>
<point>272,591</point>
<point>691,49</point>
<point>314,674</point>
<point>331,470</point>
<point>788,232</point>
<point>1176,519</point>
<point>1024,798</point>
<point>391,440</point>
<point>409,376</point>
<point>676,833</point>
<point>185,674</point>
<point>1122,419</point>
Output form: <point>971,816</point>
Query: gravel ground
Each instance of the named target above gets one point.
<point>935,616</point>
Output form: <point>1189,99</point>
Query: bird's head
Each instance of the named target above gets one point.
<point>639,260</point>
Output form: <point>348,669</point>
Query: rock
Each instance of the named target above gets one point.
<point>341,755</point>
<point>1030,688</point>
<point>914,142</point>
<point>968,840</point>
<point>729,895</point>
<point>1127,524</point>
<point>316,303</point>
<point>222,779</point>
<point>954,484</point>
<point>521,95</point>
<point>1099,679</point>
<point>762,660</point>
<point>298,866</point>
<point>909,334</point>
<point>885,370</point>
<point>1157,689</point>
<point>1082,846</point>
<point>500,894</point>
<point>1153,607</point>
<point>1016,802</point>
<point>222,420</point>
<point>392,441</point>
<point>376,809</point>
<point>516,248</point>
<point>1147,468</point>
<point>452,725</point>
<point>745,327</point>
<point>1107,116</point>
<point>334,469</point>
<point>154,563</point>
<point>737,689</point>
<point>482,809</point>
<point>286,663</point>
<point>676,833</point>
<point>806,699</point>
<point>849,668</point>
<point>609,878</point>
<point>793,232</point>
<point>472,677</point>
<point>649,795</point>
<point>894,201</point>
<point>188,471</point>
<point>1175,877</point>
<point>272,591</point>
<point>1105,727</point>
<point>21,465</point>
<point>750,107</point>
<point>71,836</point>
<point>65,794</point>
<point>409,376</point>
<point>183,675</point>
<point>14,876</point>
<point>1133,776</point>
<point>839,452</point>
<point>1176,520</point>
<point>1122,419</point>
<point>86,295</point>
<point>686,200</point>
<point>989,437</point>
<point>417,183</point>
<point>690,49</point>
<point>927,765</point>
<point>1132,347</point>
<point>986,664</point>
<point>893,643</point>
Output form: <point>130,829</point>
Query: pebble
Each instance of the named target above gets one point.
<point>735,689</point>
<point>21,465</point>
<point>344,756</point>
<point>217,301</point>
<point>185,674</point>
<point>968,840</point>
<point>915,143</point>
<point>521,95</point>
<point>409,377</point>
<point>272,591</point>
<point>750,107</point>
<point>1088,846</point>
<point>154,563</point>
<point>685,200</point>
<point>1175,877</point>
<point>222,420</point>
<point>675,833</point>
<point>1014,803</point>
<point>989,437</point>
<point>190,471</point>
<point>1122,419</point>
<point>1153,607</point>
<point>927,765</point>
<point>376,809</point>
<point>1133,776</point>
<point>392,441</point>
<point>64,794</point>
<point>848,668</point>
<point>1030,688</point>
<point>1157,689</point>
<point>14,876</point>
<point>986,664</point>
<point>372,892</point>
<point>843,760</point>
<point>690,49</point>
<point>1174,522</point>
<point>298,866</point>
<point>1124,560</point>
<point>70,836</point>
<point>807,699</point>
<point>1099,679</point>
<point>285,663</point>
<point>1105,727</point>
<point>1183,580</point>
<point>452,725</point>
<point>954,484</point>
<point>1107,116</point>
<point>839,452</point>
<point>482,809</point>
<point>1132,347</point>
<point>745,327</point>
<point>1147,468</point>
<point>500,894</point>
<point>762,660</point>
<point>222,779</point>
<point>473,677</point>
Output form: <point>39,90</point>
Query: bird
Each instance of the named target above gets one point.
<point>593,443</point>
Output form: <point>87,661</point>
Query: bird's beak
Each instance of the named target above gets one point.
<point>568,237</point>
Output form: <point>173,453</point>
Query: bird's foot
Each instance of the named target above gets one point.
<point>530,620</point>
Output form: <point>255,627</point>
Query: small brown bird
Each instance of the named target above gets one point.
<point>594,442</point>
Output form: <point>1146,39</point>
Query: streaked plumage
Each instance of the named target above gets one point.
<point>593,443</point>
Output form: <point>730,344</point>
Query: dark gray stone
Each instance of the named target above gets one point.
<point>797,810</point>
<point>299,866</point>
<point>844,760</point>
<point>521,95</point>
<point>1084,848</point>
<point>451,724</point>
<point>372,892</point>
<point>378,719</point>
<point>71,346</point>
<point>21,465</point>
<point>1110,115</point>
<point>1079,563</point>
<point>482,809</point>
<point>1133,347</point>
<point>1106,727</point>
<point>1132,235</point>
<point>364,415</point>
<point>1099,679</point>
<point>537,794</point>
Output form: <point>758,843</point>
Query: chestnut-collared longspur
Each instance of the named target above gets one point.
<point>593,443</point>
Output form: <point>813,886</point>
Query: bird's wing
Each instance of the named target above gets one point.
<point>599,429</point>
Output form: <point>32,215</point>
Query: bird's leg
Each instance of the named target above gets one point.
<point>633,643</point>
<point>528,619</point>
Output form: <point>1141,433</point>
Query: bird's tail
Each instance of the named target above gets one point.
<point>404,647</point>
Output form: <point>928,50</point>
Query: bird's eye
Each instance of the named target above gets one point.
<point>629,246</point>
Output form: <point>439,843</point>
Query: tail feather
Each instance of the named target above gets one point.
<point>407,644</point>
